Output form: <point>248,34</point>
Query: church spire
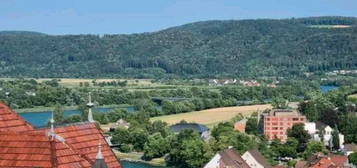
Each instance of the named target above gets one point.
<point>99,154</point>
<point>52,133</point>
<point>90,106</point>
<point>99,160</point>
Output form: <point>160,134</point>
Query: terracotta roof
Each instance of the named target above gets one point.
<point>279,166</point>
<point>232,159</point>
<point>259,158</point>
<point>300,164</point>
<point>11,121</point>
<point>36,150</point>
<point>84,138</point>
<point>24,146</point>
<point>322,161</point>
<point>339,160</point>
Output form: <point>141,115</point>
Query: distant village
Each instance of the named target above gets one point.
<point>275,123</point>
<point>249,83</point>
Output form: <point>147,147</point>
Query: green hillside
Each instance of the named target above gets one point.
<point>234,48</point>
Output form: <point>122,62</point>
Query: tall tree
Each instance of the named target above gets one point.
<point>299,133</point>
<point>59,114</point>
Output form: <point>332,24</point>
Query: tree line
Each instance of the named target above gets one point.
<point>243,48</point>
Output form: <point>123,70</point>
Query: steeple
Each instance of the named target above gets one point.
<point>52,130</point>
<point>51,133</point>
<point>99,154</point>
<point>90,106</point>
<point>99,160</point>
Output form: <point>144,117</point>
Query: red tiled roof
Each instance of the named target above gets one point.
<point>84,138</point>
<point>332,161</point>
<point>339,160</point>
<point>10,121</point>
<point>36,150</point>
<point>23,146</point>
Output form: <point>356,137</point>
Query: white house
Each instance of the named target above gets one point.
<point>326,132</point>
<point>214,162</point>
<point>228,158</point>
<point>255,159</point>
<point>310,127</point>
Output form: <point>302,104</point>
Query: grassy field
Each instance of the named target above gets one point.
<point>330,26</point>
<point>211,117</point>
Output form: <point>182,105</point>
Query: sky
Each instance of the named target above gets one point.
<point>60,17</point>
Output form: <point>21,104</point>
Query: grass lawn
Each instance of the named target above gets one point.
<point>211,117</point>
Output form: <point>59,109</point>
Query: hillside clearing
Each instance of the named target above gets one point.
<point>212,116</point>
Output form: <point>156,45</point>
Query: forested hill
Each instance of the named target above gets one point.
<point>236,48</point>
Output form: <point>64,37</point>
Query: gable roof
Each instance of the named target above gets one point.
<point>339,160</point>
<point>11,121</point>
<point>23,146</point>
<point>322,161</point>
<point>259,158</point>
<point>320,125</point>
<point>84,138</point>
<point>350,147</point>
<point>231,158</point>
<point>36,150</point>
<point>193,126</point>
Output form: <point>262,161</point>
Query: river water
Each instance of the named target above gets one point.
<point>129,164</point>
<point>40,119</point>
<point>327,88</point>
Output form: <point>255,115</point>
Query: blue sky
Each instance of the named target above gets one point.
<point>135,16</point>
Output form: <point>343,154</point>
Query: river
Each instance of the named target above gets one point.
<point>327,88</point>
<point>129,164</point>
<point>40,119</point>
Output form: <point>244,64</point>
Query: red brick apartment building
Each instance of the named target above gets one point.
<point>277,121</point>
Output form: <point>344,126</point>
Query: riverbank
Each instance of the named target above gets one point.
<point>136,157</point>
<point>44,109</point>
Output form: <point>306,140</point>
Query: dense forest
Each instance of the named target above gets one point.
<point>243,48</point>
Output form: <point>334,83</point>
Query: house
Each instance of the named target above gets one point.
<point>255,159</point>
<point>326,132</point>
<point>201,129</point>
<point>73,145</point>
<point>228,158</point>
<point>119,124</point>
<point>221,82</point>
<point>310,127</point>
<point>240,125</point>
<point>278,121</point>
<point>349,148</point>
<point>322,161</point>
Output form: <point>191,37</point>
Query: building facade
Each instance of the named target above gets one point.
<point>255,159</point>
<point>278,121</point>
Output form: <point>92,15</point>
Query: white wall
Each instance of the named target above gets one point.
<point>214,162</point>
<point>310,127</point>
<point>249,159</point>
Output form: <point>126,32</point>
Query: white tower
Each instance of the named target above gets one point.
<point>90,106</point>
